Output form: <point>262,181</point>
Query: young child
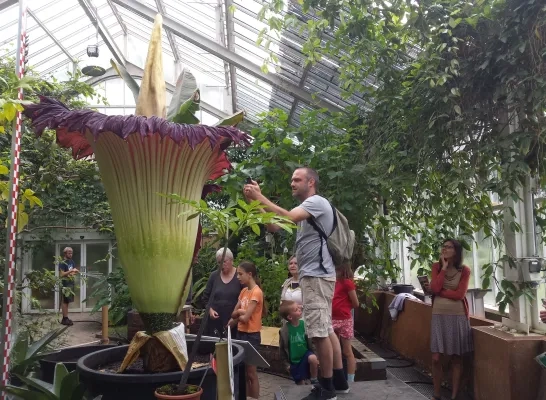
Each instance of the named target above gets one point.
<point>248,315</point>
<point>345,300</point>
<point>294,345</point>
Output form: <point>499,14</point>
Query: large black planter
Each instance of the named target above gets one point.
<point>142,386</point>
<point>69,357</point>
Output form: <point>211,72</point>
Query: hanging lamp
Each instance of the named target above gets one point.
<point>93,52</point>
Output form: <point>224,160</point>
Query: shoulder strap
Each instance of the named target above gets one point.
<point>322,235</point>
<point>313,223</point>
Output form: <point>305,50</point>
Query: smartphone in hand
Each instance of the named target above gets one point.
<point>249,180</point>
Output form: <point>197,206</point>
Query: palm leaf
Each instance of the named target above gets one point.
<point>186,85</point>
<point>40,345</point>
<point>20,348</point>
<point>232,120</point>
<point>71,388</point>
<point>41,386</point>
<point>21,367</point>
<point>24,394</point>
<point>58,379</point>
<point>186,111</point>
<point>26,355</point>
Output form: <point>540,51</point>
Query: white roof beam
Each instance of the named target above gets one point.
<point>230,26</point>
<point>7,3</point>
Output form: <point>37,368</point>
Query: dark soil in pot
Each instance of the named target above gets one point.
<point>95,371</point>
<point>138,368</point>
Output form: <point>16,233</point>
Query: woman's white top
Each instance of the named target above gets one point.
<point>291,294</point>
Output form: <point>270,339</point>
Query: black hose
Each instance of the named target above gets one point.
<point>88,320</point>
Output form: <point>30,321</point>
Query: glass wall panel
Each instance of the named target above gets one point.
<point>129,98</point>
<point>484,251</point>
<point>207,119</point>
<point>136,50</point>
<point>96,268</point>
<point>114,111</point>
<point>43,259</point>
<point>115,92</point>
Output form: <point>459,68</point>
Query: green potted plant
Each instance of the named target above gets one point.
<point>172,391</point>
<point>66,386</point>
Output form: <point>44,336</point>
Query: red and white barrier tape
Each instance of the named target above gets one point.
<point>9,285</point>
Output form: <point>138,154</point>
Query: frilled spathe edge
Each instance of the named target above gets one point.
<point>71,127</point>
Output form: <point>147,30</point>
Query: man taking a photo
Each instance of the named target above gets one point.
<point>317,279</point>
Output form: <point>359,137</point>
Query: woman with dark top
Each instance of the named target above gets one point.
<point>450,335</point>
<point>226,296</point>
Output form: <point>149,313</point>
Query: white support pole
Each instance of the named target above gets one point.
<point>9,272</point>
<point>520,244</point>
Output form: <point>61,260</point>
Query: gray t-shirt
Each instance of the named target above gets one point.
<point>308,239</point>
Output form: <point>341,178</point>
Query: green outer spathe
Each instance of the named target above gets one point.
<point>155,244</point>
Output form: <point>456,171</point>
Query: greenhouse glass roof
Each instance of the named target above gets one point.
<point>215,39</point>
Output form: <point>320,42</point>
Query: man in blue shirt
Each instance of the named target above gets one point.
<point>67,269</point>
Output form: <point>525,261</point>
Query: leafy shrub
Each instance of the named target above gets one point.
<point>112,290</point>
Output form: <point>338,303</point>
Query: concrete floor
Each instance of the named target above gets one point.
<point>391,388</point>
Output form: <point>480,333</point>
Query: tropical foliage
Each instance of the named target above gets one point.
<point>25,353</point>
<point>454,95</point>
<point>66,386</point>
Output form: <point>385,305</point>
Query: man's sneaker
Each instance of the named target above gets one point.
<point>66,321</point>
<point>340,383</point>
<point>319,393</point>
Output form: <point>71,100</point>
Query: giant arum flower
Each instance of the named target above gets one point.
<point>139,157</point>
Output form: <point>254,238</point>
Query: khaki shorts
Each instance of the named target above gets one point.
<point>317,296</point>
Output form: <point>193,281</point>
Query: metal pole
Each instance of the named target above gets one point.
<point>105,333</point>
<point>9,272</point>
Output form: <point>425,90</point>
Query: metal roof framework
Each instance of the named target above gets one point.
<point>215,39</point>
